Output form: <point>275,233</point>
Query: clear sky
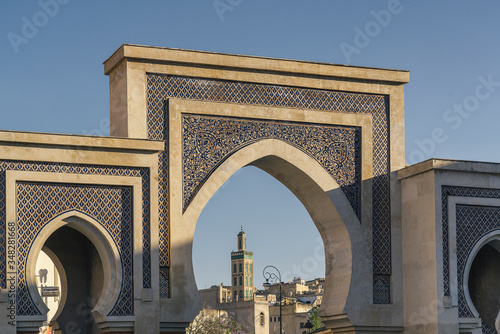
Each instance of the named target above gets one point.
<point>51,80</point>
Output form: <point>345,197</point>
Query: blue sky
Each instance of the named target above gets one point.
<point>52,81</point>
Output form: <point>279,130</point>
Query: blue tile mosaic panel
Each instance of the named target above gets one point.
<point>473,222</point>
<point>38,203</point>
<point>208,141</point>
<point>163,87</point>
<point>81,169</point>
<point>164,227</point>
<point>381,289</point>
<point>164,282</point>
<point>447,191</point>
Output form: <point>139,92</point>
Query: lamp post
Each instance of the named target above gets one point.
<point>273,277</point>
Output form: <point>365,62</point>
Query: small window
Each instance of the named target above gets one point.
<point>270,319</point>
<point>234,268</point>
<point>241,268</point>
<point>241,281</point>
<point>235,281</point>
<point>241,293</point>
<point>301,325</point>
<point>262,319</point>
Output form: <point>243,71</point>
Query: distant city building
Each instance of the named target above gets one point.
<point>239,299</point>
<point>242,270</point>
<point>298,299</point>
<point>259,310</point>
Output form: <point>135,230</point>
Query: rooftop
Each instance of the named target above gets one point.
<point>142,53</point>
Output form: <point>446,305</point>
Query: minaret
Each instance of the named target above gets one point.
<point>242,270</point>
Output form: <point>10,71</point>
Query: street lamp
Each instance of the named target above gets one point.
<point>273,277</point>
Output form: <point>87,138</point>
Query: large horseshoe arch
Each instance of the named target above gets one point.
<point>334,135</point>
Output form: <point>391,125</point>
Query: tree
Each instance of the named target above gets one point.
<point>315,319</point>
<point>211,321</point>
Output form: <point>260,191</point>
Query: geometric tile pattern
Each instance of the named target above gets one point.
<point>381,290</point>
<point>146,229</point>
<point>473,222</point>
<point>38,203</point>
<point>162,87</point>
<point>164,227</point>
<point>447,191</point>
<point>209,140</point>
<point>488,330</point>
<point>164,282</point>
<point>79,169</point>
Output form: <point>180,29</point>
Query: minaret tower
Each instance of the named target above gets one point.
<point>242,270</point>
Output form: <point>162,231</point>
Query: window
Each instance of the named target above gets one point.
<point>301,325</point>
<point>241,293</point>
<point>234,268</point>
<point>246,267</point>
<point>235,293</point>
<point>241,267</point>
<point>235,281</point>
<point>262,319</point>
<point>241,280</point>
<point>251,283</point>
<point>246,280</point>
<point>274,319</point>
<point>270,319</point>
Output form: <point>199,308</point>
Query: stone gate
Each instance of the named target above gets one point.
<point>182,122</point>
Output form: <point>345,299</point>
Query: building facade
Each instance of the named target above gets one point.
<point>405,246</point>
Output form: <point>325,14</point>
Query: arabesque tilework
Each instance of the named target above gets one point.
<point>162,87</point>
<point>126,306</point>
<point>472,222</point>
<point>208,141</point>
